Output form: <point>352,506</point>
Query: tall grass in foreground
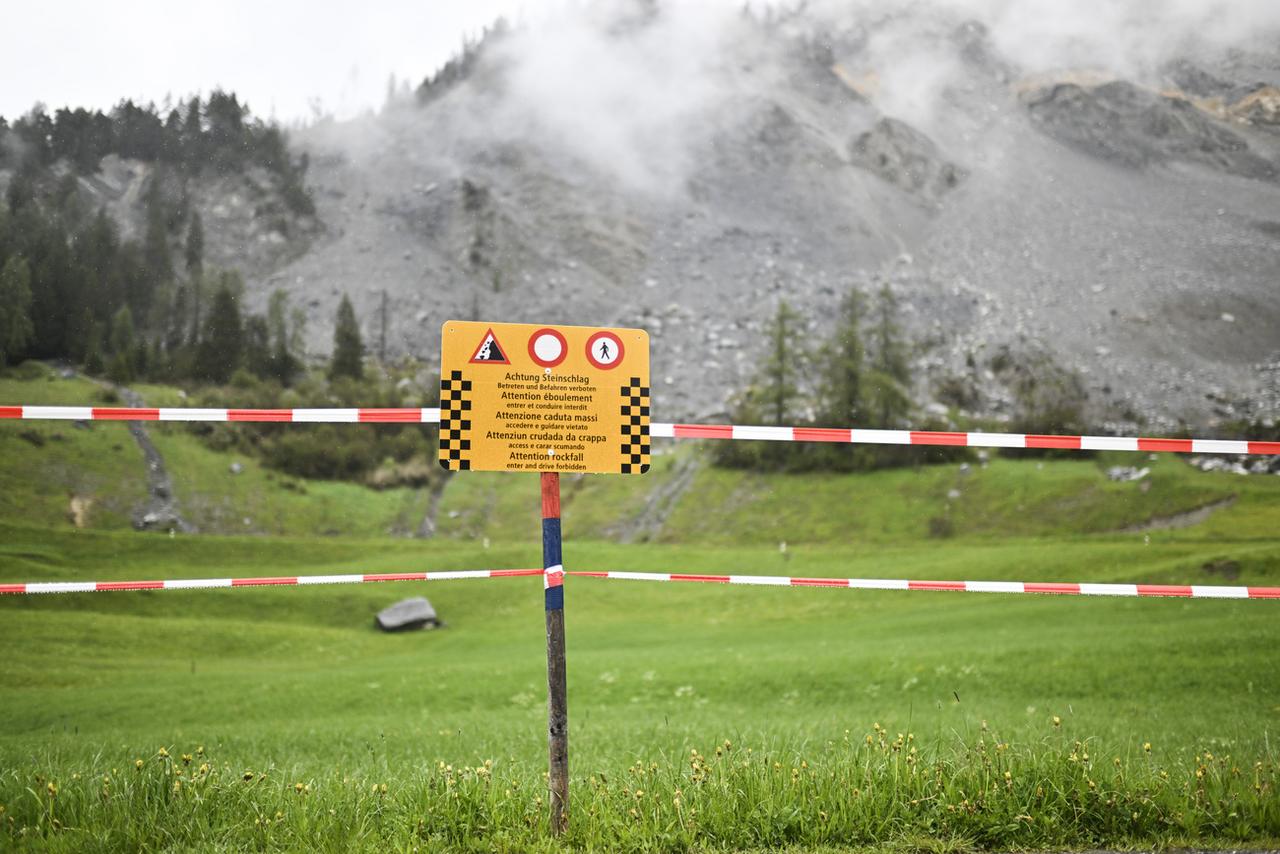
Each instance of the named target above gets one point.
<point>874,789</point>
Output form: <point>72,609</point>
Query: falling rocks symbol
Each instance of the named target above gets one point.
<point>490,351</point>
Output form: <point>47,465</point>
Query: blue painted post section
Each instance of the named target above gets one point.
<point>557,702</point>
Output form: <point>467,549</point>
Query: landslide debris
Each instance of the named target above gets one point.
<point>1135,127</point>
<point>906,158</point>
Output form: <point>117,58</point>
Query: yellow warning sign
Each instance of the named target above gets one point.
<point>524,397</point>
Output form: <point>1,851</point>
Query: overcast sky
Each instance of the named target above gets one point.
<point>279,55</point>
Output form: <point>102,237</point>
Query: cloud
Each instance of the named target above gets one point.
<point>637,89</point>
<point>620,86</point>
<point>908,44</point>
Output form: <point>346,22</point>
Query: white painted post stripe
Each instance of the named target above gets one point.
<point>177,414</point>
<point>58,413</point>
<point>196,583</point>
<point>997,440</point>
<point>1218,446</point>
<point>771,434</point>
<point>880,437</point>
<point>995,587</point>
<point>327,416</point>
<point>1108,443</point>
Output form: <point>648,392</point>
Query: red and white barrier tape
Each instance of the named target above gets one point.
<point>1193,591</point>
<point>301,416</point>
<point>843,435</point>
<point>276,581</point>
<point>856,436</point>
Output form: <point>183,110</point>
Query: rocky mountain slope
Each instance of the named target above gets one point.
<point>630,169</point>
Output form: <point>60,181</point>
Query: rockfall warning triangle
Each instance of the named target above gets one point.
<point>490,352</point>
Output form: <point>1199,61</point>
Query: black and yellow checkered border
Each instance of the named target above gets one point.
<point>635,446</point>
<point>455,422</point>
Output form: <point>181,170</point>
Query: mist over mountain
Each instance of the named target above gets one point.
<point>1095,183</point>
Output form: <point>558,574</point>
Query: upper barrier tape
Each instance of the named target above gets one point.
<point>297,416</point>
<point>858,436</point>
<point>842,435</point>
<point>1190,591</point>
<point>274,581</point>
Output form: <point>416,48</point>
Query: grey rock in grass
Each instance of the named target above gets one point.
<point>407,614</point>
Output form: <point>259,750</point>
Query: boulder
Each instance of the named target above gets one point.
<point>1125,474</point>
<point>906,158</point>
<point>415,613</point>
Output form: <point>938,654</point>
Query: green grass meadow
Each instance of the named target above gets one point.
<point>702,717</point>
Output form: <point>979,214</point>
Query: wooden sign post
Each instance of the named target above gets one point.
<point>547,399</point>
<point>557,694</point>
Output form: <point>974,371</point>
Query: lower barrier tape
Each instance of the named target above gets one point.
<point>1187,591</point>
<point>36,587</point>
<point>1190,591</point>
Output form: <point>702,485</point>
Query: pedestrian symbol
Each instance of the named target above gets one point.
<point>604,350</point>
<point>490,352</point>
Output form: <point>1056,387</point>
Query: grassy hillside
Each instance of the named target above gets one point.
<point>293,688</point>
<point>297,685</point>
<point>682,500</point>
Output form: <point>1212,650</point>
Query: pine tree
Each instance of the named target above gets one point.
<point>16,328</point>
<point>195,245</point>
<point>257,346</point>
<point>221,346</point>
<point>193,138</point>
<point>842,395</point>
<point>787,360</point>
<point>93,352</point>
<point>889,398</point>
<point>159,261</point>
<point>775,398</point>
<point>123,365</point>
<point>348,351</point>
<point>843,364</point>
<point>23,185</point>
<point>195,272</point>
<point>81,330</point>
<point>175,335</point>
<point>283,362</point>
